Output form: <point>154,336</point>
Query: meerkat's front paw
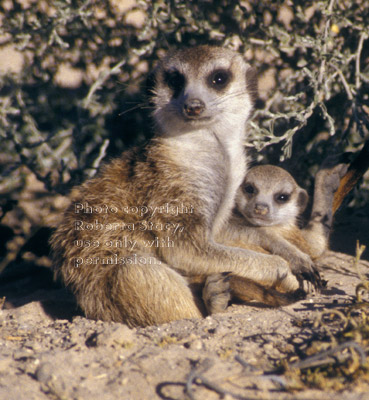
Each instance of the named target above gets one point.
<point>216,293</point>
<point>287,282</point>
<point>283,278</point>
<point>306,273</point>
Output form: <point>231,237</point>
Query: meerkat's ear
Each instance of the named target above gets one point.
<point>252,84</point>
<point>302,199</point>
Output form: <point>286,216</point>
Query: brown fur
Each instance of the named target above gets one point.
<point>267,296</point>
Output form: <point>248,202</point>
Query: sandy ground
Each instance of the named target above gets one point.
<point>50,351</point>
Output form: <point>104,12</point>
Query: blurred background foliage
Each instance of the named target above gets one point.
<point>72,90</point>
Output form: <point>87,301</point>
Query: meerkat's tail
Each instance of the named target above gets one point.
<point>247,291</point>
<point>355,171</point>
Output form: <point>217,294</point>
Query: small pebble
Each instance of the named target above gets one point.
<point>44,372</point>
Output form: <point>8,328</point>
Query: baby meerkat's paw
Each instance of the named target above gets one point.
<point>216,293</point>
<point>329,178</point>
<point>306,272</point>
<point>327,182</point>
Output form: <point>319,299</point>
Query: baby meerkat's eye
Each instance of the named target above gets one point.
<point>249,189</point>
<point>219,79</point>
<point>282,197</point>
<point>175,80</point>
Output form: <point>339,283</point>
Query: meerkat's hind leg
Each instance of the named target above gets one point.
<point>247,291</point>
<point>141,295</point>
<point>220,288</point>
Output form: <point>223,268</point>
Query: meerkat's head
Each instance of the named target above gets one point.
<point>270,196</point>
<point>201,87</point>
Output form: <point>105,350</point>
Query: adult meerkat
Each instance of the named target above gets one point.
<point>152,221</point>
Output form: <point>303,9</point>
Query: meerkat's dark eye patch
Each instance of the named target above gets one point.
<point>249,189</point>
<point>175,80</point>
<point>282,198</point>
<point>219,79</point>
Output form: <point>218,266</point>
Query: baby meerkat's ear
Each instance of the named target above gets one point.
<point>302,199</point>
<point>252,84</point>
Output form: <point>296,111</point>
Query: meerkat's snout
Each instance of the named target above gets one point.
<point>193,108</point>
<point>261,209</point>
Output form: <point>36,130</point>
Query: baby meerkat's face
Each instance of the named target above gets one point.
<point>270,196</point>
<point>201,86</point>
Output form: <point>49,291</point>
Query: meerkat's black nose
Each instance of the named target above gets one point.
<point>193,108</point>
<point>261,208</point>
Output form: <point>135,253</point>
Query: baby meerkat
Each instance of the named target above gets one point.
<point>269,202</point>
<point>267,209</point>
<point>138,237</point>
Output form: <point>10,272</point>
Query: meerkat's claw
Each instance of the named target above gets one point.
<point>310,281</point>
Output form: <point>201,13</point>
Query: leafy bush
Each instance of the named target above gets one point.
<point>78,96</point>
